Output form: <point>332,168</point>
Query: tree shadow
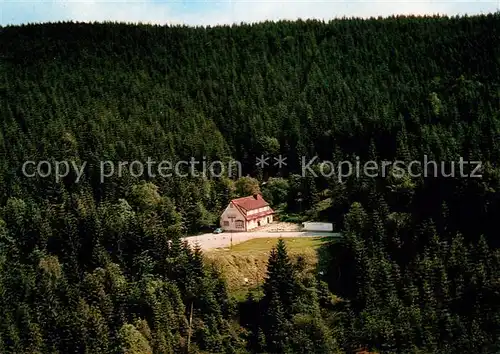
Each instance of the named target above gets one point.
<point>335,266</point>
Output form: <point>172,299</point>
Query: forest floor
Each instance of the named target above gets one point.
<point>244,265</point>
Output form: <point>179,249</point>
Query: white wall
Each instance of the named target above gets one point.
<point>263,221</point>
<point>318,226</point>
<point>259,210</point>
<point>226,217</point>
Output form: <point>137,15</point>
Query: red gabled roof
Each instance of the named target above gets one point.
<point>251,202</point>
<point>246,204</point>
<point>259,215</point>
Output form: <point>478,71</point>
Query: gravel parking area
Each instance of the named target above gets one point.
<point>280,227</point>
<point>275,230</point>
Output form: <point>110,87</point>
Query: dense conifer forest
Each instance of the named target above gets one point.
<point>98,266</point>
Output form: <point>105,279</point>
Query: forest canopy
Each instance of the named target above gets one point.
<point>98,266</point>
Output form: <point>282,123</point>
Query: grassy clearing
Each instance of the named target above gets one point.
<point>264,245</point>
<point>248,260</point>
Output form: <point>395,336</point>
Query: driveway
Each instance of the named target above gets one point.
<point>223,240</point>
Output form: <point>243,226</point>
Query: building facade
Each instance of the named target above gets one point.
<point>247,213</point>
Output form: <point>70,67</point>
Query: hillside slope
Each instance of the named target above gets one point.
<point>244,265</point>
<point>92,262</point>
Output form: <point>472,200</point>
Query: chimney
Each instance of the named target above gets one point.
<point>256,196</point>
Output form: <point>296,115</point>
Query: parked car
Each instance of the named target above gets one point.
<point>218,231</point>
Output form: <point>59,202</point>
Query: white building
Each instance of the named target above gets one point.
<point>247,213</point>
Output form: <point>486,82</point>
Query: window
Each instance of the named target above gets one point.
<point>231,205</point>
<point>239,224</point>
<point>226,223</point>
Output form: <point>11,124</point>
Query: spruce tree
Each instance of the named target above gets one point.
<point>281,279</point>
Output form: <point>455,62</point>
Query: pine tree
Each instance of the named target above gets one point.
<point>277,326</point>
<point>281,279</point>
